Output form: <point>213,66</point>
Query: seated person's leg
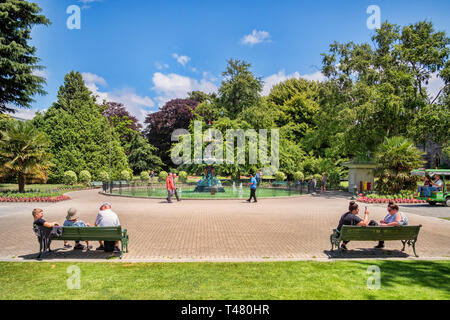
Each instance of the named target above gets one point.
<point>101,246</point>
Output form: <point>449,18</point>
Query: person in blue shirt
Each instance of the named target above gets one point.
<point>258,178</point>
<point>252,185</point>
<point>73,220</point>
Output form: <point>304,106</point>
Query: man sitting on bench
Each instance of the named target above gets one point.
<point>351,219</point>
<point>107,218</point>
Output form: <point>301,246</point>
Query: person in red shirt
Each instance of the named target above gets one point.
<point>170,187</point>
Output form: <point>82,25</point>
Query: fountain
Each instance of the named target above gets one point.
<point>241,191</point>
<point>209,182</point>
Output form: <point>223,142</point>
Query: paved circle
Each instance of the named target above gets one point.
<point>218,230</point>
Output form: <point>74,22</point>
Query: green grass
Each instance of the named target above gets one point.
<point>266,280</point>
<point>190,194</point>
<point>446,218</point>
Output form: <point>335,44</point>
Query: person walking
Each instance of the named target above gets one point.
<point>258,178</point>
<point>170,187</point>
<point>324,181</point>
<point>174,176</point>
<point>252,185</point>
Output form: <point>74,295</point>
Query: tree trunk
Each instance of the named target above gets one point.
<point>21,180</point>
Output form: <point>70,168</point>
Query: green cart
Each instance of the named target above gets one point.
<point>442,196</point>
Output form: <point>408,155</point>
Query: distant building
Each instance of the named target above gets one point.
<point>434,156</point>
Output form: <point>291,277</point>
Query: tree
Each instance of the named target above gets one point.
<point>143,155</point>
<point>19,80</point>
<point>175,114</point>
<point>377,91</point>
<point>395,159</point>
<point>80,137</point>
<point>298,102</point>
<point>201,97</point>
<point>118,114</point>
<point>24,153</point>
<point>240,89</point>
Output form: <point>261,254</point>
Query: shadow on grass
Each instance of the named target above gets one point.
<point>364,253</point>
<point>431,274</point>
<point>62,254</point>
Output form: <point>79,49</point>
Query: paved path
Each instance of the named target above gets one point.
<point>222,230</point>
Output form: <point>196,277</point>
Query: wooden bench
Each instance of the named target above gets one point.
<point>91,234</point>
<point>406,234</point>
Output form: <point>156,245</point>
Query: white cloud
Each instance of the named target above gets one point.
<point>281,76</point>
<point>172,86</point>
<point>161,66</point>
<point>183,60</point>
<point>435,84</point>
<point>86,3</point>
<point>137,105</point>
<point>256,37</point>
<point>40,73</point>
<point>26,114</point>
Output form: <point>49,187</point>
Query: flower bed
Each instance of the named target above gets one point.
<point>373,198</point>
<point>21,198</point>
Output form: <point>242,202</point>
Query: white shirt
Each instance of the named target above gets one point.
<point>107,218</point>
<point>439,183</point>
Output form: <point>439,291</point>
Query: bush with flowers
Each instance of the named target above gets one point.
<point>32,197</point>
<point>402,197</point>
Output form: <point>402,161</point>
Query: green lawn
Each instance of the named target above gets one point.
<point>267,280</point>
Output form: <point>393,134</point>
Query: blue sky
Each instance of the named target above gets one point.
<point>143,53</point>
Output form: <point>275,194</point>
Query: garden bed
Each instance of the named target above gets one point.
<point>400,198</point>
<point>32,197</point>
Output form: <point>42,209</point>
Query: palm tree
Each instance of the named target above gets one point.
<point>395,158</point>
<point>23,153</point>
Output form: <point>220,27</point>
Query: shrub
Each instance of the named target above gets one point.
<point>395,158</point>
<point>70,178</point>
<point>318,177</point>
<point>85,177</point>
<point>163,176</point>
<point>182,176</point>
<point>334,179</point>
<point>145,176</point>
<point>280,176</point>
<point>299,176</point>
<point>103,176</point>
<point>125,175</point>
<point>236,175</point>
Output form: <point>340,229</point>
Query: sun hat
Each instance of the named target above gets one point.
<point>72,214</point>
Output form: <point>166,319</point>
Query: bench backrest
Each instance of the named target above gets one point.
<point>91,234</point>
<point>349,233</point>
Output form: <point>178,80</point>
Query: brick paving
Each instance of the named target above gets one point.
<point>218,230</point>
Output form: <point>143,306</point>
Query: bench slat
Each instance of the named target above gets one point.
<point>352,233</point>
<point>90,234</point>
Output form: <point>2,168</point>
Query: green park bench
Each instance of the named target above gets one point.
<point>92,234</point>
<point>97,184</point>
<point>280,184</point>
<point>406,234</point>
